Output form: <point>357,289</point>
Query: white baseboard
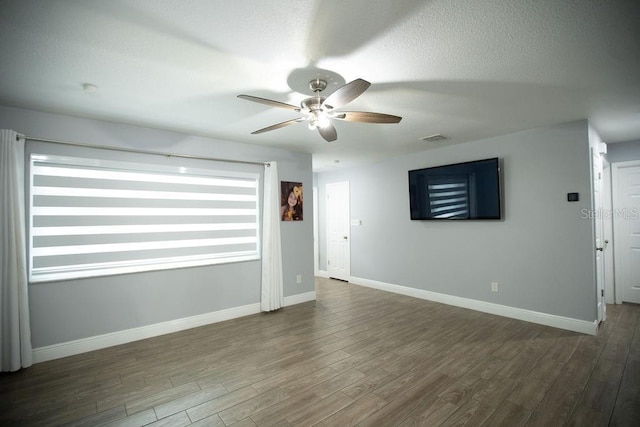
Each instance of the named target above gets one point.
<point>323,274</point>
<point>567,323</point>
<point>71,348</point>
<point>299,298</point>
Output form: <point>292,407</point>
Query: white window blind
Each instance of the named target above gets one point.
<point>96,217</point>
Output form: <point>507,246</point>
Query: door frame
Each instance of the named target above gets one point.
<point>597,184</point>
<point>617,248</point>
<point>607,205</point>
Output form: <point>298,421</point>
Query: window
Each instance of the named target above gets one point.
<point>96,217</point>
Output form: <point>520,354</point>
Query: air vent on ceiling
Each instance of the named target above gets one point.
<point>434,138</point>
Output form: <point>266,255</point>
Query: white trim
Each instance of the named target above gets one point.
<point>71,348</point>
<point>299,298</point>
<point>617,237</point>
<point>609,292</point>
<point>316,238</point>
<point>323,274</point>
<point>576,325</point>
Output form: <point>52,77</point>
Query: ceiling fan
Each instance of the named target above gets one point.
<point>318,111</point>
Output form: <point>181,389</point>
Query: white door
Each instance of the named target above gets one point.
<point>596,163</point>
<point>316,246</point>
<point>338,231</point>
<point>626,230</point>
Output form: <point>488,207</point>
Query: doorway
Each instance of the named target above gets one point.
<point>338,231</point>
<point>626,230</point>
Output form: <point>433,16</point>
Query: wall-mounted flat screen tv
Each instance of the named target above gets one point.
<point>459,191</point>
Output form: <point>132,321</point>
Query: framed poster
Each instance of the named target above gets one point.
<point>291,201</point>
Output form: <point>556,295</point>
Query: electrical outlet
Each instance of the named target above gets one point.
<point>299,278</point>
<point>494,286</point>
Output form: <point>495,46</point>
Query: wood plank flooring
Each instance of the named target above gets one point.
<point>356,356</point>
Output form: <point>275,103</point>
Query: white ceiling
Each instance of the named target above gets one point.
<point>467,69</point>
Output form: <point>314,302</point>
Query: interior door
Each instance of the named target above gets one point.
<point>596,163</point>
<point>626,225</point>
<point>316,246</point>
<point>338,231</point>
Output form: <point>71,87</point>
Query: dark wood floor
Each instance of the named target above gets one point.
<point>355,356</point>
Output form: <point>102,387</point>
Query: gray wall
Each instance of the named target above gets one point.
<point>71,310</point>
<point>541,254</point>
<point>623,151</point>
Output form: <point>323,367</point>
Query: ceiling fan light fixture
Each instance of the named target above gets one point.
<point>318,111</point>
<point>318,119</point>
<point>322,120</point>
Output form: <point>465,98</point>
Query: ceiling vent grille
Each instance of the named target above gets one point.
<point>434,138</point>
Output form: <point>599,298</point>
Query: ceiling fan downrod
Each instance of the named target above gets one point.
<point>317,85</point>
<point>317,116</point>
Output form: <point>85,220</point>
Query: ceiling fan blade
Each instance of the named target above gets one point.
<point>329,133</point>
<point>278,126</point>
<point>347,93</point>
<point>269,102</point>
<point>366,117</point>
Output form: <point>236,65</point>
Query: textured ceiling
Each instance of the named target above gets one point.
<point>466,69</point>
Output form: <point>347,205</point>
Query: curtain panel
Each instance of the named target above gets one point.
<point>272,286</point>
<point>15,330</point>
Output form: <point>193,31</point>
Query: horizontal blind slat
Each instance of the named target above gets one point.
<point>107,211</point>
<point>160,178</point>
<point>126,229</point>
<point>137,194</point>
<point>108,268</point>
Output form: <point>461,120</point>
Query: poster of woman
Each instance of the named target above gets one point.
<point>291,201</point>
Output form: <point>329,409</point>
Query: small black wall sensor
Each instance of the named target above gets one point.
<point>573,197</point>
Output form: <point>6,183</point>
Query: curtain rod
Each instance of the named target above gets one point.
<point>134,150</point>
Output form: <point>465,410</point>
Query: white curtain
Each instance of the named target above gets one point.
<point>15,332</point>
<point>272,289</point>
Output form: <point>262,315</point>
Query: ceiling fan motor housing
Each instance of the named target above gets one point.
<point>312,104</point>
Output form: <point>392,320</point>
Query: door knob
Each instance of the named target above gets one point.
<point>344,237</point>
<point>600,249</point>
